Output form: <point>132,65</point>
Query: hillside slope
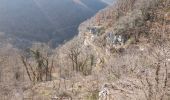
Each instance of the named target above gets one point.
<point>126,51</point>
<point>122,53</point>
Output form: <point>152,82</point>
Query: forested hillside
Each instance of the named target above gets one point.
<point>122,53</point>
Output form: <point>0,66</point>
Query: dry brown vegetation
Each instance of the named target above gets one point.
<point>137,70</point>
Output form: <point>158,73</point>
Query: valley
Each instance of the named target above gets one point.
<point>45,21</point>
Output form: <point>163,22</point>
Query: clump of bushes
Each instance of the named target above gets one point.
<point>93,95</point>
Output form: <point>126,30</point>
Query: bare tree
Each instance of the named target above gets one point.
<point>40,68</point>
<point>74,56</point>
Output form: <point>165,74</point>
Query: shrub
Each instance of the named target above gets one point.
<point>93,95</point>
